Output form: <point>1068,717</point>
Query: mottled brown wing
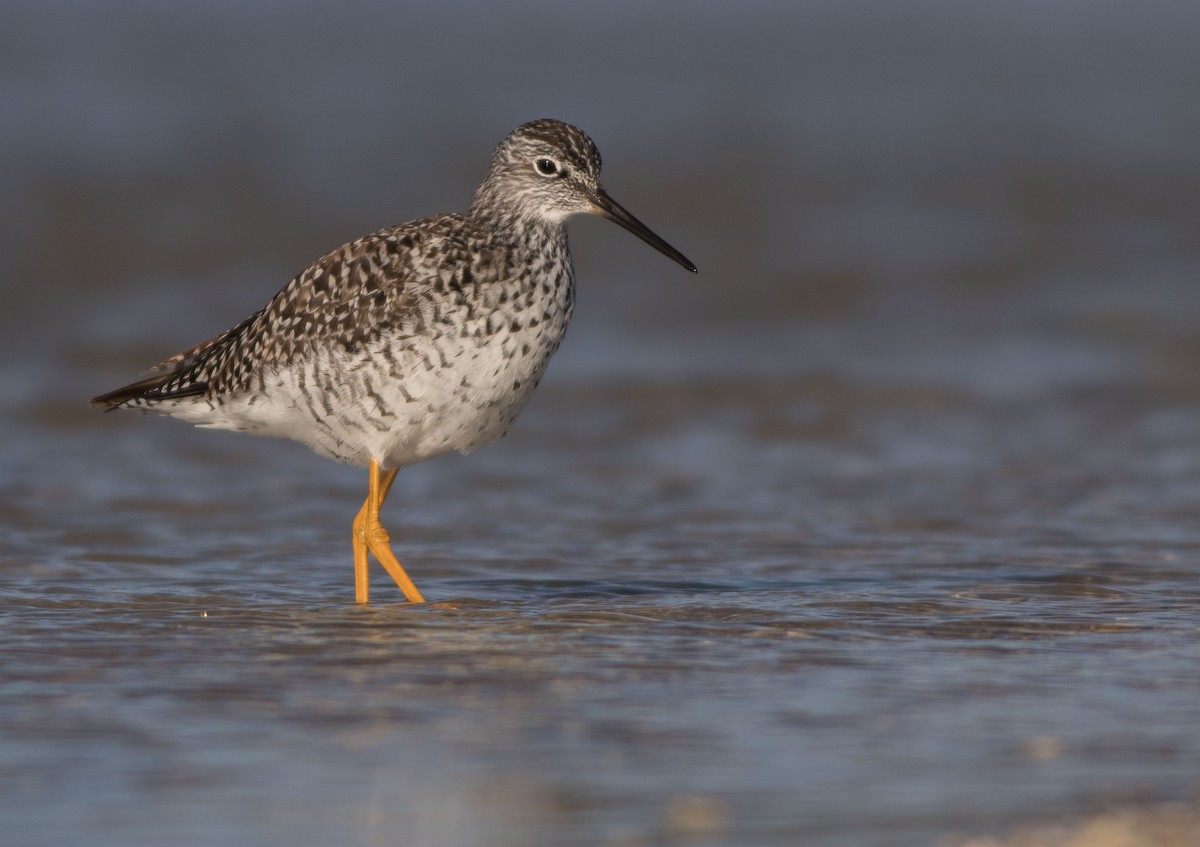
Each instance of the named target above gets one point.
<point>342,300</point>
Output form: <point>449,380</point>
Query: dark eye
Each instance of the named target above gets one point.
<point>546,167</point>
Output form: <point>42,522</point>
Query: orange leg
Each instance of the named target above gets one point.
<point>370,536</point>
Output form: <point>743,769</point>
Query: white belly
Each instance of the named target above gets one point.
<point>398,401</point>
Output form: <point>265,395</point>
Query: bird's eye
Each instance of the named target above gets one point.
<point>546,167</point>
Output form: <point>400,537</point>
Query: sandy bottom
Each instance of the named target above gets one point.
<point>1161,826</point>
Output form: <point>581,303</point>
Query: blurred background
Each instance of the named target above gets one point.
<point>945,330</point>
<point>864,185</point>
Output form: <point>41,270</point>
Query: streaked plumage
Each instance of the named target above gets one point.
<point>415,340</point>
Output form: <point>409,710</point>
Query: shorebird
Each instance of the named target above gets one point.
<point>414,341</point>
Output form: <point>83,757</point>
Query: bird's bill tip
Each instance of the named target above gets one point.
<point>606,207</point>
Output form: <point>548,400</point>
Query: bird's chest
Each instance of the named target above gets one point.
<point>505,336</point>
<point>464,384</point>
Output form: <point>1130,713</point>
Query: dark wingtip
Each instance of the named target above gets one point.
<point>110,401</point>
<point>102,403</point>
<point>149,390</point>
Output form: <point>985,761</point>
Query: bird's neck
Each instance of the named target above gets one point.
<point>505,224</point>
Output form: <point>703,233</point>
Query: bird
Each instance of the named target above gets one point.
<point>412,342</point>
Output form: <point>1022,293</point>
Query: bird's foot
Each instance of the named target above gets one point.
<point>378,542</point>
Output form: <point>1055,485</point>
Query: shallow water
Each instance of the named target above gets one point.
<point>882,530</point>
<point>844,640</point>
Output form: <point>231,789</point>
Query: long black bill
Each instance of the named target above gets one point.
<point>611,209</point>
